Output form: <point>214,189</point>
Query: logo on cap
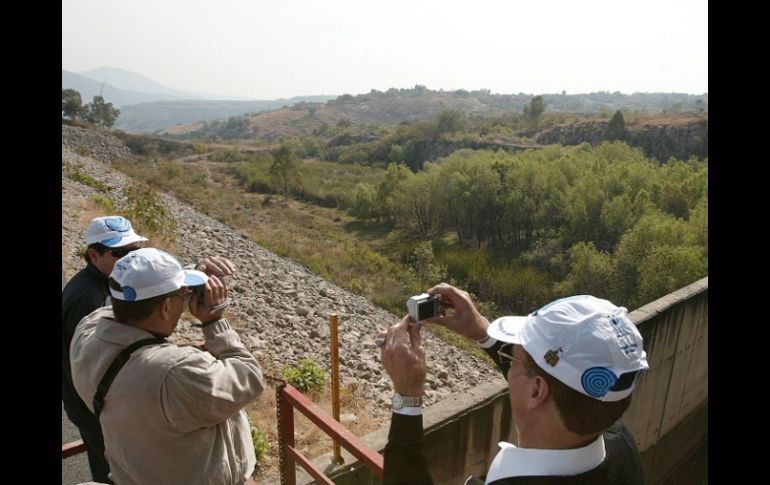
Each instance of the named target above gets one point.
<point>597,381</point>
<point>552,357</point>
<point>129,294</point>
<point>119,224</point>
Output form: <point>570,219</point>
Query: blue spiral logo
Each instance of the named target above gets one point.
<point>111,241</point>
<point>119,224</point>
<point>597,381</point>
<point>129,294</point>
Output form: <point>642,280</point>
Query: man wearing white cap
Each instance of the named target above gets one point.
<point>571,367</point>
<point>169,414</point>
<point>108,239</point>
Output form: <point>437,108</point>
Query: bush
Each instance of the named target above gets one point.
<point>74,173</point>
<point>149,216</point>
<point>306,376</point>
<point>103,203</point>
<point>261,445</point>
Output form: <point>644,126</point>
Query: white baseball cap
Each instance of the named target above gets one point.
<point>149,272</point>
<point>585,342</point>
<point>112,231</point>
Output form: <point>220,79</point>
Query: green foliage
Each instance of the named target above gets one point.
<point>306,376</point>
<point>590,271</point>
<point>261,444</point>
<point>609,204</point>
<point>228,156</point>
<point>364,201</point>
<point>254,175</point>
<point>101,113</point>
<point>668,268</point>
<point>73,172</point>
<point>535,109</point>
<point>451,121</point>
<point>423,263</point>
<point>284,167</point>
<point>616,128</point>
<point>71,104</point>
<point>103,203</point>
<point>143,145</point>
<point>149,215</point>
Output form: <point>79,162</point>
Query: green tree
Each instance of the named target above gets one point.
<point>450,121</point>
<point>101,113</point>
<point>364,201</point>
<point>422,262</point>
<point>535,109</point>
<point>71,104</point>
<point>590,271</point>
<point>284,167</point>
<point>669,268</point>
<point>616,128</point>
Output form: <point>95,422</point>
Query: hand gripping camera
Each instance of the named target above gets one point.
<point>424,306</point>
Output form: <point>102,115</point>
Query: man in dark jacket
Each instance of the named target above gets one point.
<point>571,367</point>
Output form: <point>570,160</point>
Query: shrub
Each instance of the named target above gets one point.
<point>74,173</point>
<point>149,216</point>
<point>306,376</point>
<point>103,203</point>
<point>261,445</point>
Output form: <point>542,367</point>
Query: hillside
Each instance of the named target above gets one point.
<point>169,115</point>
<point>280,308</point>
<point>88,88</point>
<point>395,106</point>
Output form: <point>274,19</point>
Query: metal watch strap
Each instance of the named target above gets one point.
<point>400,401</point>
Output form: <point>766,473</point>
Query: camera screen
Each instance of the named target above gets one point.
<point>426,309</point>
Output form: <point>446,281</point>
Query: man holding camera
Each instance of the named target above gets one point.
<point>169,414</point>
<point>108,239</point>
<point>571,367</point>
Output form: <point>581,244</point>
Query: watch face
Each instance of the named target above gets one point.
<point>398,402</point>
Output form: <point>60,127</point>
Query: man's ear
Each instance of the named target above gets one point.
<point>164,307</point>
<point>539,391</point>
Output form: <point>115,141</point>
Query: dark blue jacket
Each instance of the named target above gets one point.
<point>84,293</point>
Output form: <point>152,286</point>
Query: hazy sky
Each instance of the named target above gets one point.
<point>265,49</point>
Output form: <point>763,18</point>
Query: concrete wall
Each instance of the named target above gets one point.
<point>668,415</point>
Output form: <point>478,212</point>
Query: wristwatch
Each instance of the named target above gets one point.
<point>398,402</point>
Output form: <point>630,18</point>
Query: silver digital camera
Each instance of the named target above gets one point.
<point>424,306</point>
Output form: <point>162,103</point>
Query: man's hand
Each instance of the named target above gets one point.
<point>404,357</point>
<point>216,266</point>
<point>214,294</point>
<point>465,319</point>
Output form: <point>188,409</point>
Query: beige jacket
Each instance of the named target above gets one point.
<point>173,414</point>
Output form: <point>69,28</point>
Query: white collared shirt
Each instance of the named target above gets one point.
<point>512,461</point>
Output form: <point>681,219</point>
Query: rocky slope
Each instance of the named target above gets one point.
<point>656,141</point>
<point>281,309</point>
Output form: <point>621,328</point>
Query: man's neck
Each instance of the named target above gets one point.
<point>552,436</point>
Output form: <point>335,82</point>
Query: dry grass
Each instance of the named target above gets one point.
<point>309,439</point>
<point>667,119</point>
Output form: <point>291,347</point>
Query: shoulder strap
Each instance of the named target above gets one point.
<point>117,364</point>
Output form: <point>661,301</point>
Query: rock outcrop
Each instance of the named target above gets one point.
<point>656,141</point>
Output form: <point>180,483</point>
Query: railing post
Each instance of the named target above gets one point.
<point>285,422</point>
<point>335,380</point>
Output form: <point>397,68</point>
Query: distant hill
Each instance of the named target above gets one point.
<point>160,115</point>
<point>148,106</point>
<point>419,103</point>
<point>88,88</point>
<point>131,81</point>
